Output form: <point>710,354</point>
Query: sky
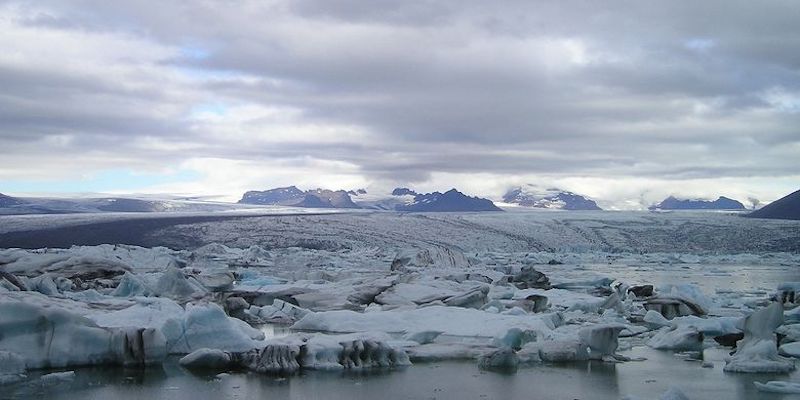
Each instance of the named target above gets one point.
<point>623,101</point>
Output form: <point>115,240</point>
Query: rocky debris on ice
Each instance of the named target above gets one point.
<point>641,291</point>
<point>778,387</point>
<point>49,337</point>
<point>671,307</point>
<point>677,338</point>
<point>788,293</point>
<point>302,351</point>
<point>529,278</point>
<point>729,339</point>
<point>758,351</point>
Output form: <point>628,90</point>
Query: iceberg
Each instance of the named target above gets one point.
<point>758,351</point>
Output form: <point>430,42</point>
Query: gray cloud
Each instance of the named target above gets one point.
<point>403,90</point>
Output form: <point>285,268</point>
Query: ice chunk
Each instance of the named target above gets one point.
<point>131,285</point>
<point>690,294</point>
<point>473,299</point>
<point>438,257</point>
<point>57,377</point>
<point>673,393</point>
<point>758,351</point>
<point>778,387</point>
<point>289,354</point>
<point>515,338</point>
<point>206,326</point>
<point>275,358</point>
<point>207,359</point>
<point>422,337</point>
<point>554,351</point>
<point>173,283</point>
<point>677,338</point>
<point>448,351</point>
<point>602,339</point>
<point>51,337</point>
<point>450,320</point>
<point>654,319</point>
<point>12,367</point>
<point>280,311</point>
<point>790,349</point>
<point>498,292</point>
<point>44,284</point>
<point>503,359</point>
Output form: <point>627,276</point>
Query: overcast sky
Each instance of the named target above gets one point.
<point>626,102</point>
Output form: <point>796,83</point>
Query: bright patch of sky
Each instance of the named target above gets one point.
<point>108,181</point>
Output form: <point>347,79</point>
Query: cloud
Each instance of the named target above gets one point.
<point>344,93</point>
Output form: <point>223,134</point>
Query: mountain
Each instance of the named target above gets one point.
<point>552,198</point>
<point>8,201</point>
<point>277,196</point>
<point>335,199</point>
<point>403,192</point>
<point>722,203</point>
<point>787,207</point>
<point>294,197</point>
<point>451,200</point>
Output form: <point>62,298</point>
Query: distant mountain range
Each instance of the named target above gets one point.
<point>451,200</point>
<point>722,203</point>
<point>787,207</point>
<point>294,197</point>
<point>551,198</point>
<point>402,199</point>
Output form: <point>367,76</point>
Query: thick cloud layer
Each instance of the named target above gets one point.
<point>690,98</point>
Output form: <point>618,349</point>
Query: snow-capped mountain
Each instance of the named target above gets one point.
<point>292,196</point>
<point>551,198</point>
<point>721,203</point>
<point>787,207</point>
<point>451,200</point>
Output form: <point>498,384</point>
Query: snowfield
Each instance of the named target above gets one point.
<point>383,290</point>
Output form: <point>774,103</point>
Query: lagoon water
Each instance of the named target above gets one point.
<point>441,381</point>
